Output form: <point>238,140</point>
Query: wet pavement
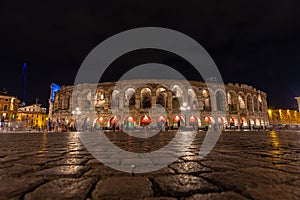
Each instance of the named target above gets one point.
<point>242,165</point>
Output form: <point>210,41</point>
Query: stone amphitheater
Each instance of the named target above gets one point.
<point>173,103</point>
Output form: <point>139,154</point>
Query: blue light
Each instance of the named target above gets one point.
<point>54,89</point>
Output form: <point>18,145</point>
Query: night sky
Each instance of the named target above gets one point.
<point>255,43</point>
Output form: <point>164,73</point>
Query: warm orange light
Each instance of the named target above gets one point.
<point>146,119</point>
<point>176,118</point>
<point>100,120</point>
<point>207,119</point>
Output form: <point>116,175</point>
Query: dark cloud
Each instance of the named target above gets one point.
<point>253,42</point>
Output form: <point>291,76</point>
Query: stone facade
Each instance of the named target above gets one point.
<point>33,116</point>
<point>176,102</point>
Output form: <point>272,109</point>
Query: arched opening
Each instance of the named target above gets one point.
<point>145,98</point>
<point>98,123</point>
<point>194,121</point>
<point>162,119</point>
<point>232,101</point>
<point>242,104</point>
<point>129,122</point>
<point>162,122</point>
<point>244,122</point>
<point>100,99</point>
<point>145,120</point>
<point>130,98</point>
<point>251,121</point>
<point>233,122</point>
<point>177,97</point>
<point>257,122</point>
<point>260,103</point>
<point>208,120</point>
<point>161,97</point>
<point>114,121</point>
<point>221,123</point>
<point>177,120</point>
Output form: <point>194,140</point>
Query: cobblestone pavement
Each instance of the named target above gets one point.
<point>243,165</point>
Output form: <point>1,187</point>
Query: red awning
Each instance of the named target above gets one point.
<point>146,119</point>
<point>100,120</point>
<point>176,118</point>
<point>207,119</point>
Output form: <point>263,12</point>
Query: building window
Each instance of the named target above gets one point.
<point>5,108</point>
<point>6,99</point>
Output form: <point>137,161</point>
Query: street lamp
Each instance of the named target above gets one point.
<point>185,108</point>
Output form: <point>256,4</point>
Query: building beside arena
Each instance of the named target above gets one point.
<point>9,105</point>
<point>175,103</point>
<point>33,116</point>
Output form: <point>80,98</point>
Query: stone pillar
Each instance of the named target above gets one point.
<point>137,101</point>
<point>106,103</point>
<point>169,100</point>
<point>93,102</point>
<point>71,104</point>
<point>153,101</point>
<point>298,101</point>
<point>121,102</point>
<point>213,102</point>
<point>238,103</point>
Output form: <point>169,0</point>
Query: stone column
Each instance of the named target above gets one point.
<point>121,102</point>
<point>153,101</point>
<point>169,100</point>
<point>137,101</point>
<point>106,103</point>
<point>71,104</point>
<point>213,102</point>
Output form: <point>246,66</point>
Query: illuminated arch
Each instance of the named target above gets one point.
<point>129,97</point>
<point>241,99</point>
<point>146,97</point>
<point>161,96</point>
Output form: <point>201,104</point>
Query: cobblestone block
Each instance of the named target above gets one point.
<point>64,188</point>
<point>123,188</point>
<point>182,185</point>
<point>16,187</point>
